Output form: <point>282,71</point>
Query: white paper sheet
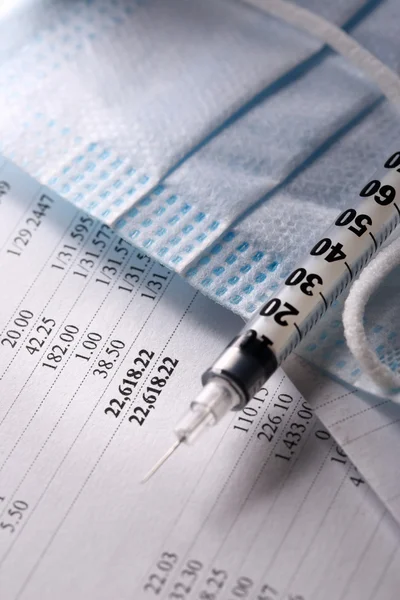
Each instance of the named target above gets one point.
<point>367,427</point>
<point>265,506</point>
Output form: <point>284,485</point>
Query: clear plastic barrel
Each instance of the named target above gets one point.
<point>217,398</point>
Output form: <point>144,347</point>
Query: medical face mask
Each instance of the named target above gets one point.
<point>218,138</point>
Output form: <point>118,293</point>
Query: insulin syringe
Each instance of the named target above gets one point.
<point>272,334</point>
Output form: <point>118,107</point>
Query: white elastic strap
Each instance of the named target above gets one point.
<point>386,79</point>
<point>389,84</point>
<point>353,315</point>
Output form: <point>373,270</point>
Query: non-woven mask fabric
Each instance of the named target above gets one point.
<point>216,137</point>
<point>140,84</point>
<point>332,125</point>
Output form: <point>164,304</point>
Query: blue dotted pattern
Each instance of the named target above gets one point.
<point>167,226</point>
<point>101,182</point>
<point>72,28</point>
<point>243,287</point>
<point>170,229</point>
<point>326,346</point>
<point>216,260</point>
<point>173,231</point>
<point>161,222</point>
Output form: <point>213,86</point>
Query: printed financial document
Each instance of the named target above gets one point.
<point>367,427</point>
<point>101,350</point>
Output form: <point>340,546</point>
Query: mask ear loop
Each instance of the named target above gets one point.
<point>340,41</point>
<point>389,84</point>
<point>353,317</point>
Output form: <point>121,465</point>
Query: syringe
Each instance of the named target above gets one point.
<point>272,334</point>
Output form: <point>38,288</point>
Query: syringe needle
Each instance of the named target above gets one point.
<point>162,460</point>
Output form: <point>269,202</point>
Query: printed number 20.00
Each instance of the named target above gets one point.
<point>272,308</point>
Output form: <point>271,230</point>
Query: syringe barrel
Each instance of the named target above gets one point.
<point>307,292</point>
<point>332,263</point>
<point>246,363</point>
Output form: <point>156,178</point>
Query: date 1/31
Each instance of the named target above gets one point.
<point>135,272</point>
<point>155,283</point>
<point>75,238</point>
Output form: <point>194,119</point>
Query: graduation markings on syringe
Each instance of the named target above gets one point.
<point>333,262</point>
